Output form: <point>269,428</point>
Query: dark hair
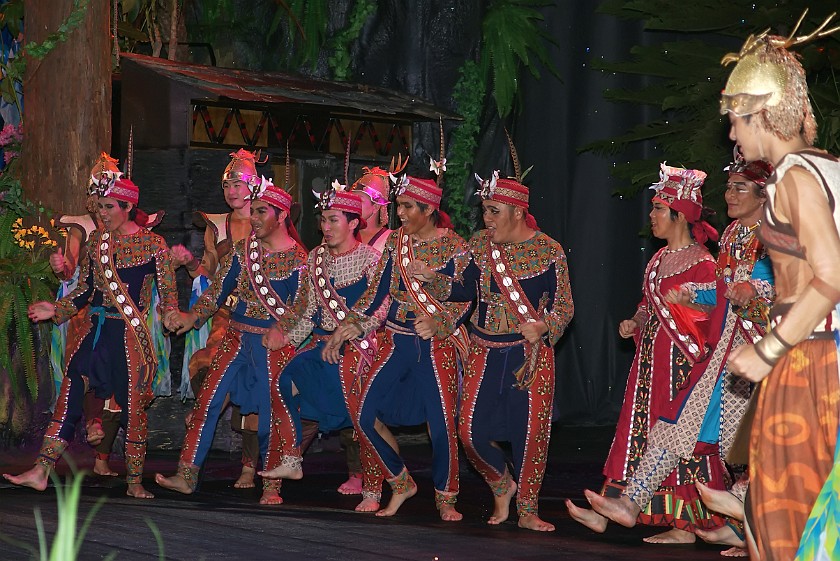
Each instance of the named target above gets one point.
<point>133,213</point>
<point>434,217</point>
<point>350,216</point>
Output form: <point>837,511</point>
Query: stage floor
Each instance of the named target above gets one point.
<point>316,522</point>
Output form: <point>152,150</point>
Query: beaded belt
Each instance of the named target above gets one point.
<point>245,328</point>
<point>476,337</point>
<point>399,329</point>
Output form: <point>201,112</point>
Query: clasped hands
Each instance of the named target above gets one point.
<point>331,352</point>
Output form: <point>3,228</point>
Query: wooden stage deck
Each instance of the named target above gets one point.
<point>316,522</point>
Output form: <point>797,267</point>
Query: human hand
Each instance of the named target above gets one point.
<point>745,362</point>
<point>275,339</point>
<point>740,293</point>
<point>41,311</point>
<point>533,331</point>
<point>679,295</point>
<point>425,326</point>
<point>180,255</point>
<point>627,328</point>
<point>420,271</point>
<point>57,262</point>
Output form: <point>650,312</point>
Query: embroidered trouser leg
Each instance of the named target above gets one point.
<point>654,467</point>
<point>354,379</point>
<point>62,426</point>
<point>494,409</point>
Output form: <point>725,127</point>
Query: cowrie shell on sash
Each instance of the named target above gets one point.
<point>321,283</point>
<point>259,278</point>
<point>280,311</point>
<point>109,273</point>
<point>507,281</point>
<point>254,255</point>
<point>333,304</point>
<point>263,290</point>
<point>320,249</point>
<point>104,246</point>
<point>415,285</point>
<point>514,296</point>
<point>364,344</point>
<point>405,261</point>
<point>271,300</point>
<point>405,238</point>
<point>135,322</point>
<point>319,260</point>
<point>254,244</point>
<point>522,308</point>
<point>113,286</point>
<point>422,297</point>
<point>496,254</point>
<point>500,268</point>
<point>404,250</point>
<point>340,314</point>
<point>120,298</point>
<point>128,311</point>
<point>318,270</point>
<point>255,267</point>
<point>106,235</point>
<point>326,293</point>
<point>431,308</point>
<point>104,259</point>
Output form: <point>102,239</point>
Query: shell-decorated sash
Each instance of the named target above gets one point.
<point>266,294</point>
<point>517,302</point>
<point>423,300</point>
<point>332,303</point>
<point>117,292</point>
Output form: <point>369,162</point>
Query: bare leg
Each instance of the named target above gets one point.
<point>174,483</point>
<point>534,522</point>
<point>621,510</point>
<point>101,467</point>
<point>723,502</point>
<point>721,536</point>
<point>588,518</point>
<point>501,505</point>
<point>137,491</point>
<point>403,488</point>
<point>246,478</point>
<point>672,536</point>
<point>36,477</point>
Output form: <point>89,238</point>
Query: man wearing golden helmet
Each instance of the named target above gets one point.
<point>794,434</point>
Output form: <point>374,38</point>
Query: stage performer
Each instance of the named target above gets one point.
<point>373,188</point>
<point>670,340</point>
<point>220,233</point>
<point>519,277</point>
<point>793,448</point>
<point>713,410</point>
<point>115,357</point>
<point>414,377</point>
<point>102,418</point>
<point>322,384</point>
<point>264,270</point>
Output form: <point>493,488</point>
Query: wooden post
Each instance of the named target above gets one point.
<point>67,104</point>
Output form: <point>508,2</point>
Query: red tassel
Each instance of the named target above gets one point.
<point>444,221</point>
<point>531,222</point>
<point>141,218</point>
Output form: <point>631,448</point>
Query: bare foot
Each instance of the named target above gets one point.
<point>95,434</point>
<point>588,518</point>
<point>534,522</point>
<point>724,535</point>
<point>621,510</point>
<point>271,497</point>
<point>735,552</point>
<point>396,502</point>
<point>36,478</point>
<point>174,483</point>
<point>368,504</point>
<point>137,491</point>
<point>282,472</point>
<point>449,514</point>
<point>501,505</point>
<point>353,485</point>
<point>246,479</point>
<point>673,535</point>
<point>101,467</point>
<point>723,502</point>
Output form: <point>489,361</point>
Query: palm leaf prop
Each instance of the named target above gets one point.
<point>685,79</point>
<point>511,38</point>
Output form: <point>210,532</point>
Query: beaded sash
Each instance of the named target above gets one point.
<point>113,286</point>
<point>518,303</point>
<point>266,294</point>
<point>427,303</point>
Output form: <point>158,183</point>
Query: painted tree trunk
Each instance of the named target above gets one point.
<point>67,104</point>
